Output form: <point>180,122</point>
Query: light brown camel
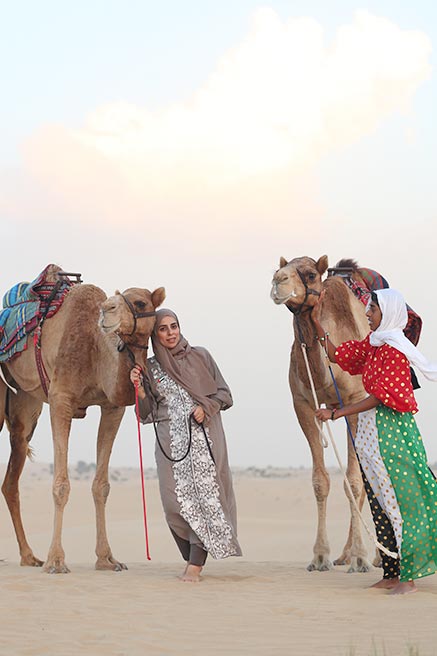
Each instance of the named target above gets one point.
<point>297,285</point>
<point>80,348</point>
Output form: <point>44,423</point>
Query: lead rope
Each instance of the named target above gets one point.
<point>324,442</point>
<point>140,450</point>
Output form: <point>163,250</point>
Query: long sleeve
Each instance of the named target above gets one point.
<point>351,356</point>
<point>149,407</point>
<point>223,394</point>
<point>390,380</point>
<point>222,399</point>
<point>145,410</point>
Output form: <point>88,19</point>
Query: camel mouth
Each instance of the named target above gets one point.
<point>109,329</point>
<point>280,301</point>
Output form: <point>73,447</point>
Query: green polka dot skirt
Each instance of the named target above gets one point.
<point>404,456</point>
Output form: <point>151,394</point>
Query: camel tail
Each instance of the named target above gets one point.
<point>30,453</point>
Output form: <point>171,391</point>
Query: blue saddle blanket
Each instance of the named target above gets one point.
<point>22,305</point>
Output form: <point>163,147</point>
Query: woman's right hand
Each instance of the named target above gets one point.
<point>136,376</point>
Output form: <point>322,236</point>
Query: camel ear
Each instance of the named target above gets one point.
<point>282,262</point>
<point>117,292</point>
<point>158,296</point>
<point>322,264</point>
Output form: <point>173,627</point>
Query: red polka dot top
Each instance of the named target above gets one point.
<point>385,371</point>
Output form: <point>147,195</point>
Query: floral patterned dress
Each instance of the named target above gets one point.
<point>196,492</point>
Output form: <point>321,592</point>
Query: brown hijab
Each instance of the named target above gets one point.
<point>186,366</point>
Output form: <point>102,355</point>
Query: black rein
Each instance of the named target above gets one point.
<point>136,315</point>
<point>308,292</point>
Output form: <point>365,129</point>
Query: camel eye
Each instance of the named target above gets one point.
<point>311,277</point>
<point>140,305</point>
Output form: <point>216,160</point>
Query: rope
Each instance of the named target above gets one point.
<point>337,455</point>
<point>323,439</point>
<point>140,449</point>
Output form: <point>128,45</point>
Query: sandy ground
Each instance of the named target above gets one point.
<point>264,603</point>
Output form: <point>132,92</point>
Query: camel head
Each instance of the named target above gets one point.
<point>131,314</point>
<point>298,282</point>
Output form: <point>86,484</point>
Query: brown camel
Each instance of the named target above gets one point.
<point>297,284</point>
<point>81,350</point>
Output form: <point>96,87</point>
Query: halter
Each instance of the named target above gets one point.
<point>136,315</point>
<point>308,291</point>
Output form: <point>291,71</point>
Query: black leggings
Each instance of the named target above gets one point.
<point>384,532</point>
<point>192,553</point>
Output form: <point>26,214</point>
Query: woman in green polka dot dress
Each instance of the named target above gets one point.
<point>401,488</point>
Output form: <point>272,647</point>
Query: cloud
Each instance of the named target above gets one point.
<point>277,102</point>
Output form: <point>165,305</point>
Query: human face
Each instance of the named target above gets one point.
<point>168,332</point>
<point>374,315</point>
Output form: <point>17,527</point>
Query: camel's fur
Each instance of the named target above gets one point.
<point>85,368</point>
<point>343,316</point>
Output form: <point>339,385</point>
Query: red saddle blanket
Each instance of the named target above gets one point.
<point>362,281</point>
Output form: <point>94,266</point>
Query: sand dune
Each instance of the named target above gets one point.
<point>264,603</point>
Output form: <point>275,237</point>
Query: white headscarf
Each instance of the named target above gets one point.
<point>390,331</point>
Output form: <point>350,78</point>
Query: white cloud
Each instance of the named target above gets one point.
<point>279,100</point>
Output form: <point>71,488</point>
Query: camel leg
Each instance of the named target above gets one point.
<point>354,552</point>
<point>345,557</point>
<point>109,424</point>
<point>321,485</point>
<point>60,415</point>
<point>22,416</point>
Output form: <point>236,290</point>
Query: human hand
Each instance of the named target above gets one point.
<point>198,414</point>
<point>136,376</point>
<point>317,307</point>
<point>323,414</point>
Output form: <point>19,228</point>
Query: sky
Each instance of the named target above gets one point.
<point>190,145</point>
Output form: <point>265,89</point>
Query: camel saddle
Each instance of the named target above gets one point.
<point>362,281</point>
<point>27,304</point>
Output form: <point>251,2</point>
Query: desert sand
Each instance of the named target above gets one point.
<point>264,603</point>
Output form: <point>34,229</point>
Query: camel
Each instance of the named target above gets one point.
<point>297,285</point>
<point>88,348</point>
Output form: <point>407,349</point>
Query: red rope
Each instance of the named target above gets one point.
<point>140,449</point>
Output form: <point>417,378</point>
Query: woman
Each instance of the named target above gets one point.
<point>186,393</point>
<point>402,490</point>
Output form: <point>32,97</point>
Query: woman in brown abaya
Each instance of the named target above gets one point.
<point>183,394</point>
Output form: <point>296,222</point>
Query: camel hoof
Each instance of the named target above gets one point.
<point>60,568</point>
<point>31,561</point>
<point>110,564</point>
<point>360,565</point>
<point>319,564</point>
<point>341,561</point>
<point>119,567</point>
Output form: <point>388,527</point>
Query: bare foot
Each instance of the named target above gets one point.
<point>386,584</point>
<point>404,587</point>
<point>191,574</point>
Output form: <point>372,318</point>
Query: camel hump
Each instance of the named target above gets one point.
<point>81,301</point>
<point>349,268</point>
<point>363,280</point>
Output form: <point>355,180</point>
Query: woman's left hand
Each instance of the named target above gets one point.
<point>198,414</point>
<point>323,414</point>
